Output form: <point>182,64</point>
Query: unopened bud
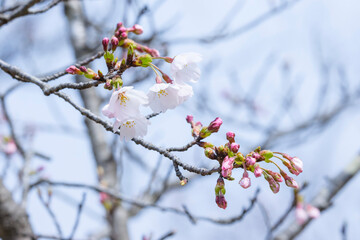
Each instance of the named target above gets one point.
<point>234,147</point>
<point>137,29</point>
<point>250,161</point>
<point>114,43</point>
<point>189,119</point>
<point>267,154</point>
<point>245,181</point>
<point>257,170</point>
<point>73,70</point>
<point>214,126</point>
<point>83,69</point>
<point>230,136</point>
<point>210,153</point>
<point>105,43</point>
<point>119,25</point>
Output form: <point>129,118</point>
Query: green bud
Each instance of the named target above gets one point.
<point>204,132</point>
<point>267,154</point>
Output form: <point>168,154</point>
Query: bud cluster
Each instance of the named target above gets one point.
<point>230,158</point>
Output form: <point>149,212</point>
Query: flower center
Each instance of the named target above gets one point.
<point>129,124</point>
<point>162,93</point>
<point>123,99</point>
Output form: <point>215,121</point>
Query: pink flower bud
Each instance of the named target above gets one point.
<point>234,147</point>
<point>122,29</point>
<point>119,25</point>
<point>214,126</point>
<point>250,161</point>
<point>227,166</point>
<point>300,214</point>
<point>277,177</point>
<point>123,35</point>
<point>274,185</point>
<point>114,43</point>
<point>245,181</point>
<point>230,136</point>
<point>105,43</point>
<point>290,167</point>
<point>73,70</point>
<point>289,181</point>
<point>83,69</point>
<point>220,201</point>
<point>313,212</point>
<point>257,171</point>
<point>189,119</point>
<point>256,155</point>
<point>154,53</point>
<point>297,164</point>
<point>137,29</point>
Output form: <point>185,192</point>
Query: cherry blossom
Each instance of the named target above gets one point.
<point>132,127</point>
<point>124,103</point>
<point>163,96</point>
<point>184,67</point>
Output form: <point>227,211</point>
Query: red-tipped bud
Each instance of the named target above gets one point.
<point>221,201</point>
<point>230,136</point>
<point>289,181</point>
<point>73,70</point>
<point>234,147</point>
<point>114,43</point>
<point>275,175</point>
<point>167,78</point>
<point>83,69</point>
<point>105,43</point>
<point>256,155</point>
<point>214,126</point>
<point>122,29</point>
<point>119,25</point>
<point>189,119</point>
<point>137,29</point>
<point>123,35</point>
<point>257,170</point>
<point>274,185</point>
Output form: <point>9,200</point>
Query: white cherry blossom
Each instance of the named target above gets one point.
<point>163,96</point>
<point>184,67</point>
<point>132,127</point>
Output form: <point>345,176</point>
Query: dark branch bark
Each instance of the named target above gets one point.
<point>14,222</point>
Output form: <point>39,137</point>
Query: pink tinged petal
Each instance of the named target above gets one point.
<point>297,164</point>
<point>313,212</point>
<point>245,181</point>
<point>10,148</point>
<point>227,166</point>
<point>300,214</point>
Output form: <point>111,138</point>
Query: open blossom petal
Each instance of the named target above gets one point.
<point>124,103</point>
<point>184,67</point>
<point>133,127</point>
<point>163,96</point>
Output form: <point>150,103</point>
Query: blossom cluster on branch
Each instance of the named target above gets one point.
<point>167,93</point>
<point>125,102</point>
